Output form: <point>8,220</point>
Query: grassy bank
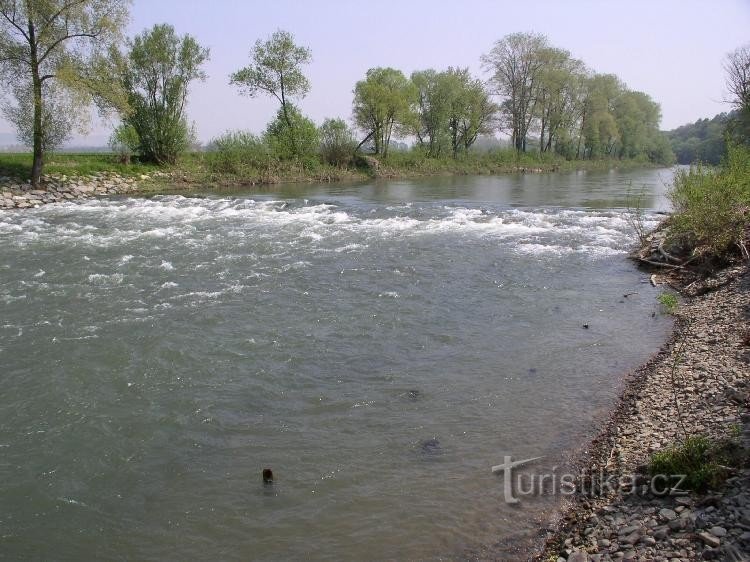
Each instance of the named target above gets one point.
<point>206,168</point>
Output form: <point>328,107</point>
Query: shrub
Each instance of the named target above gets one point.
<point>298,142</point>
<point>698,458</point>
<point>337,142</point>
<point>711,206</point>
<point>239,153</point>
<point>124,142</point>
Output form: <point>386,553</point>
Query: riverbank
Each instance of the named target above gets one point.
<point>696,385</point>
<point>105,175</point>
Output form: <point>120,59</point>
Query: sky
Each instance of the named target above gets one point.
<point>671,49</point>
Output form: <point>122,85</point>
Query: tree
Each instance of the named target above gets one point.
<point>337,143</point>
<point>63,112</point>
<point>383,101</point>
<point>452,108</point>
<point>275,70</point>
<point>52,40</point>
<point>737,68</point>
<point>156,74</point>
<point>559,96</point>
<point>598,124</point>
<point>515,63</point>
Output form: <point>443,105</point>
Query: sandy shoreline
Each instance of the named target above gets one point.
<point>697,383</point>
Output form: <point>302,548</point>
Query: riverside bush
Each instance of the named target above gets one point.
<point>239,153</point>
<point>711,206</point>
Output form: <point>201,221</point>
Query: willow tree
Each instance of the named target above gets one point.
<point>515,64</point>
<point>45,41</point>
<point>383,101</point>
<point>737,68</point>
<point>276,70</point>
<point>156,74</point>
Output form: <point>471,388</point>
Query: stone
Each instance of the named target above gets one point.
<point>578,556</point>
<point>718,531</point>
<point>709,539</point>
<point>667,514</point>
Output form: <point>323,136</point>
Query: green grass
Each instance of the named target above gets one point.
<point>712,208</point>
<point>701,460</point>
<point>18,165</point>
<point>238,168</point>
<point>669,302</point>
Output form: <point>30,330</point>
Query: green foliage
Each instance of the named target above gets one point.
<point>384,102</point>
<point>292,136</point>
<point>47,49</point>
<point>702,141</point>
<point>337,142</point>
<point>698,458</point>
<point>275,70</point>
<point>453,109</point>
<point>156,74</point>
<point>124,142</point>
<point>669,302</point>
<point>516,63</point>
<point>240,153</point>
<point>711,206</point>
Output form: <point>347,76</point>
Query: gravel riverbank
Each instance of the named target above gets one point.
<point>698,384</point>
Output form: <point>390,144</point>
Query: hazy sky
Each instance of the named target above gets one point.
<point>670,49</point>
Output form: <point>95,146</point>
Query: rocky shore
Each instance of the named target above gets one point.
<point>698,384</point>
<point>15,194</point>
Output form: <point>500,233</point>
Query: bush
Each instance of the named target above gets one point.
<point>337,142</point>
<point>298,142</point>
<point>124,142</point>
<point>711,206</point>
<point>699,459</point>
<point>239,153</point>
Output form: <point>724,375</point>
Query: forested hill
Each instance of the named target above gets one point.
<point>702,141</point>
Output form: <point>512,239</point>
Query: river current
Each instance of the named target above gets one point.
<point>379,346</point>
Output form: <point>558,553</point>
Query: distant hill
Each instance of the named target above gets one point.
<point>702,141</point>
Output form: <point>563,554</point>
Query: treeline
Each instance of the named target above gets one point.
<point>702,141</point>
<point>57,58</point>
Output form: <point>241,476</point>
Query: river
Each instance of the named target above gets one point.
<point>379,346</point>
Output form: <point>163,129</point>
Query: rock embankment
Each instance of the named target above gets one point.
<point>698,384</point>
<point>15,194</point>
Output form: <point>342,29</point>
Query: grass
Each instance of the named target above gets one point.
<point>702,461</point>
<point>712,208</point>
<point>18,165</point>
<point>669,302</point>
<point>243,169</point>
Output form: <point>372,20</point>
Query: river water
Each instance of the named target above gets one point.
<point>379,346</point>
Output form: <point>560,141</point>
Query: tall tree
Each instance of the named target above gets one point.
<point>276,70</point>
<point>156,74</point>
<point>515,64</point>
<point>737,68</point>
<point>559,96</point>
<point>53,40</point>
<point>383,101</point>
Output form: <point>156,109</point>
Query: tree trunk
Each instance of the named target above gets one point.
<point>287,119</point>
<point>36,82</point>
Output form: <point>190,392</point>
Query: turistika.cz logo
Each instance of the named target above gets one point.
<point>591,483</point>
